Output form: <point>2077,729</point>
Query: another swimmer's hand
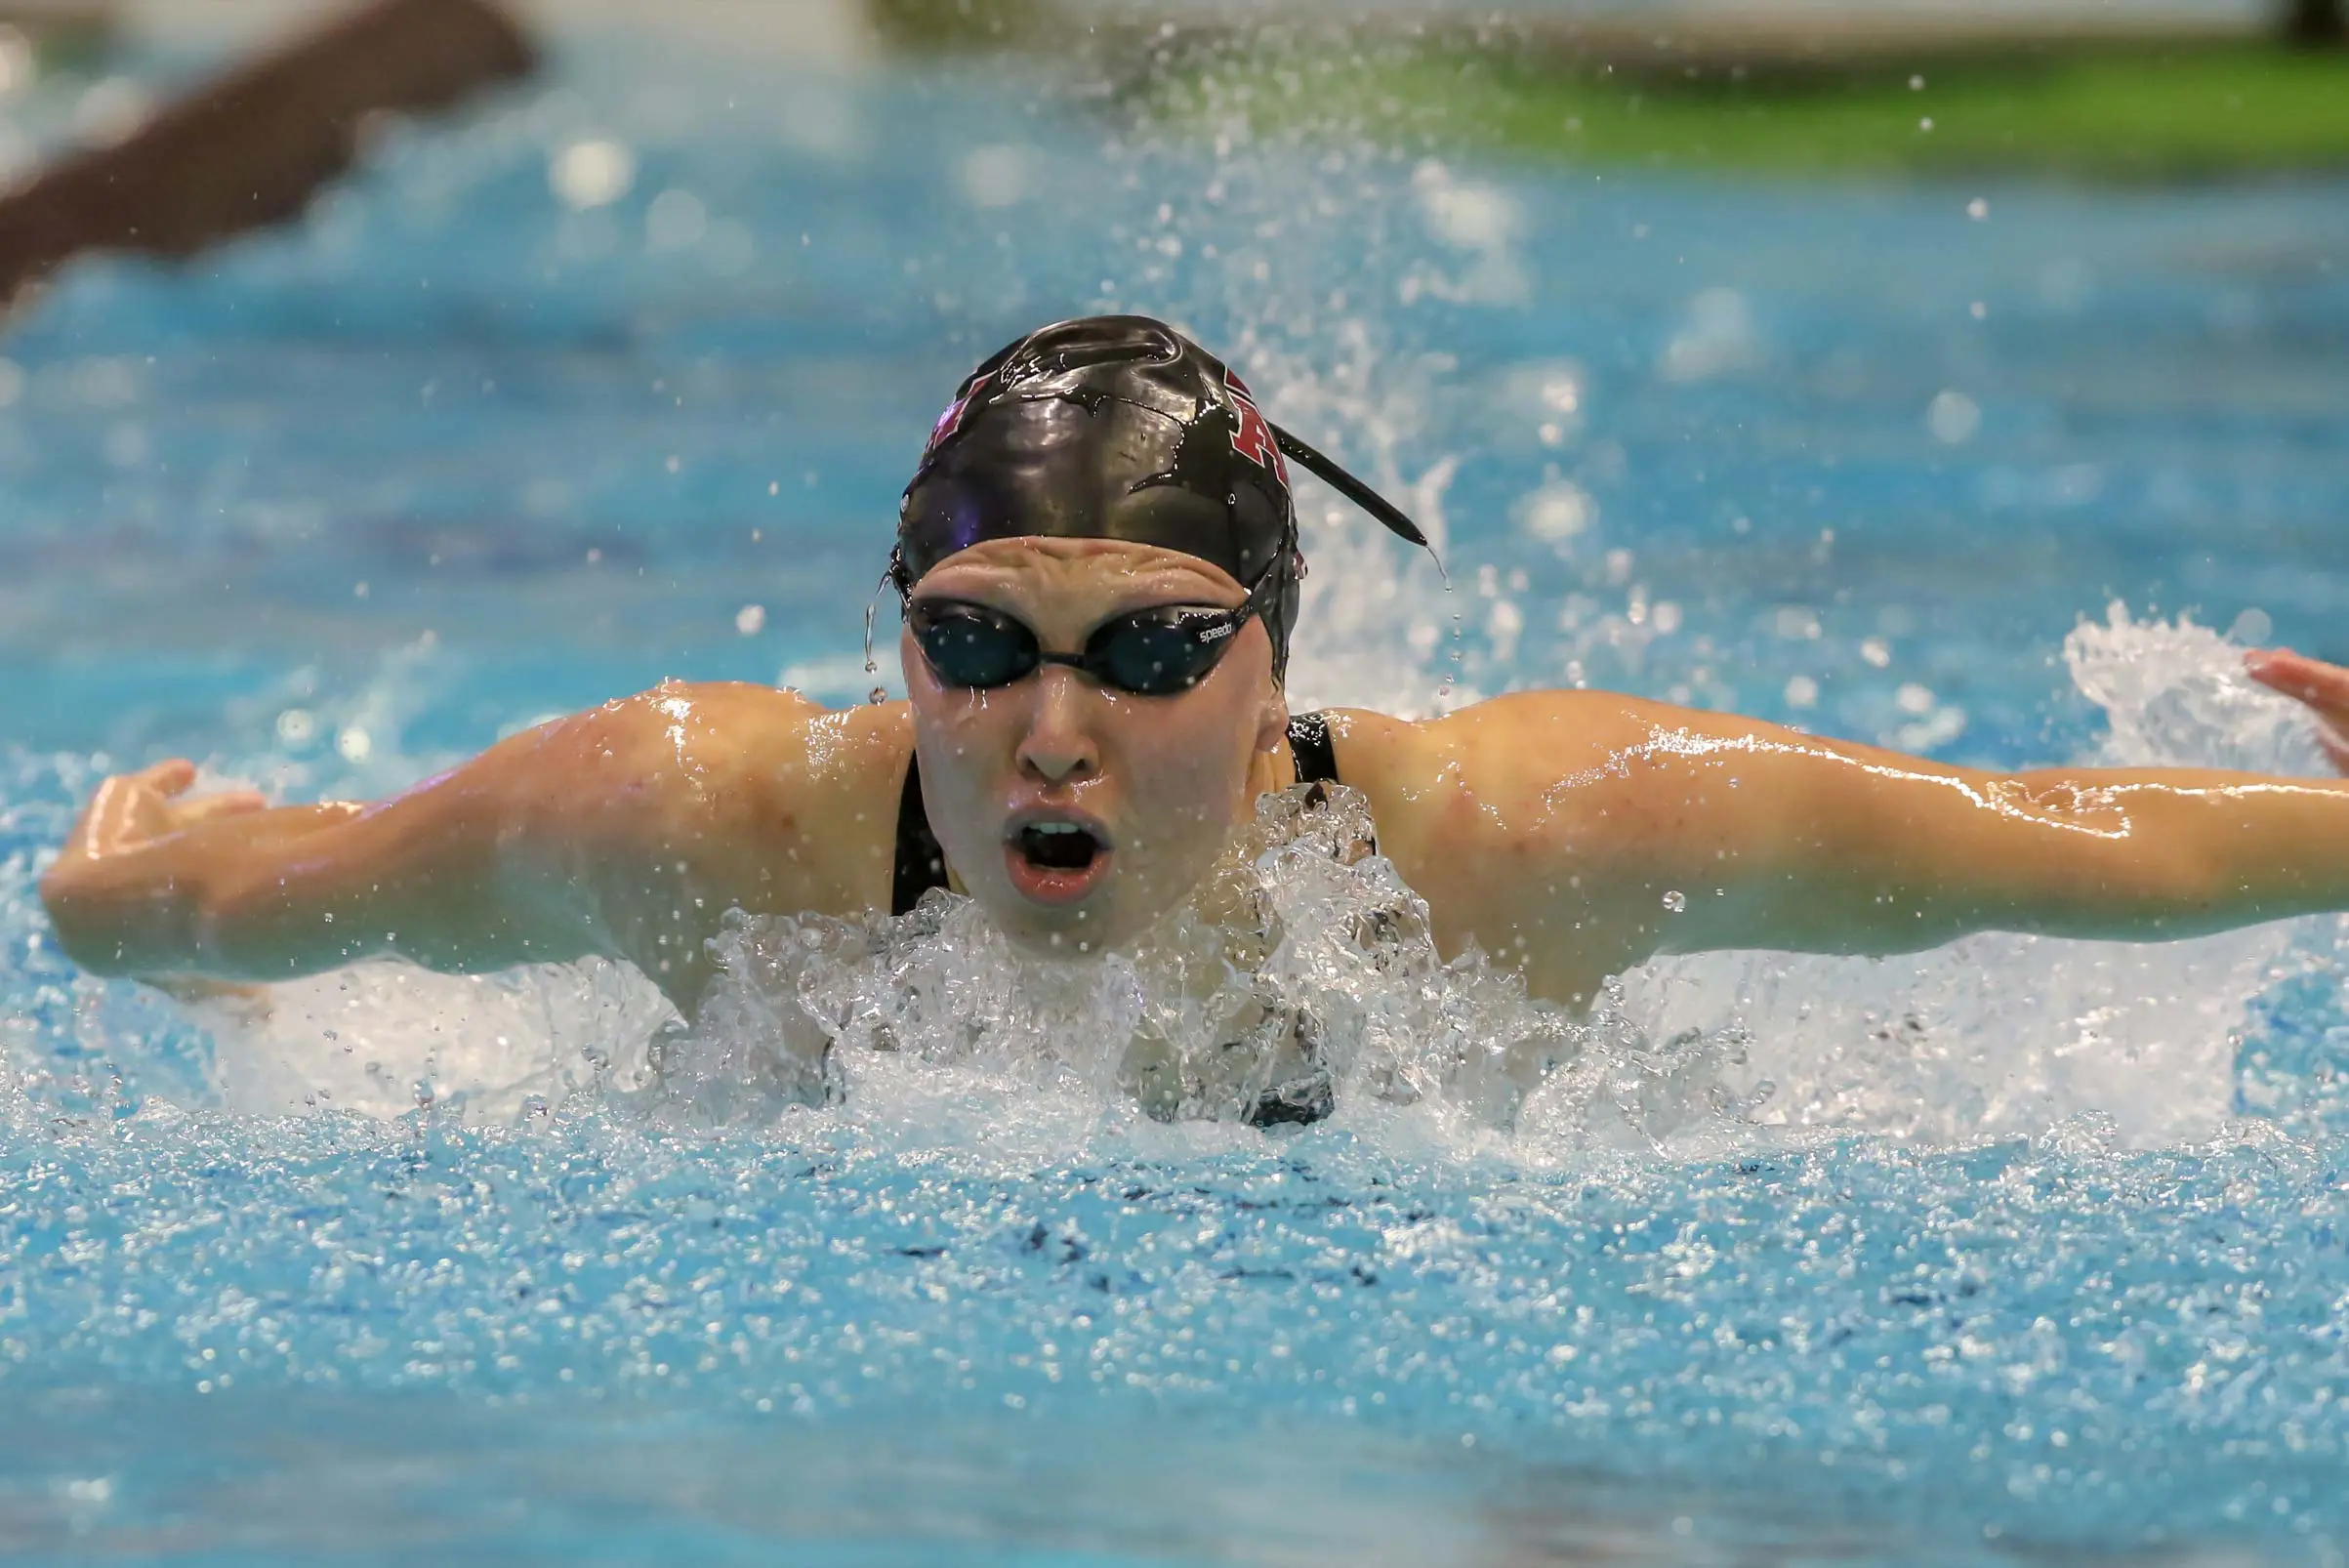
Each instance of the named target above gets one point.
<point>2322,687</point>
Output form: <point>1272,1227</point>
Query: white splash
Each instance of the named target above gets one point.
<point>385,1039</point>
<point>1301,984</point>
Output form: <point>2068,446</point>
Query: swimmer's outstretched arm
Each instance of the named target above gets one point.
<point>1582,833</point>
<point>628,832</point>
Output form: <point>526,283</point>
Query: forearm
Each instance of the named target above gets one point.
<point>2176,853</point>
<point>288,892</point>
<point>2140,855</point>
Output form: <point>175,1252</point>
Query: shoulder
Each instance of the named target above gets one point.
<point>701,737</point>
<point>725,774</point>
<point>1519,772</point>
<point>1494,745</point>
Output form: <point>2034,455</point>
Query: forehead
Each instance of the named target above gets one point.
<point>1077,566</point>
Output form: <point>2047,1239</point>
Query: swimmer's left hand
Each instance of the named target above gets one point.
<point>2322,687</point>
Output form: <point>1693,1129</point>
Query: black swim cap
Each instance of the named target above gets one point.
<point>1118,427</point>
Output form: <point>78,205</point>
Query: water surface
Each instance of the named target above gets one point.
<point>2018,1252</point>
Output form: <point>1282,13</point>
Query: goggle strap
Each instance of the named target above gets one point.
<point>1397,521</point>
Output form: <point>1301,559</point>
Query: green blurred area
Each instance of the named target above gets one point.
<point>2106,109</point>
<point>924,26</point>
<point>2111,113</point>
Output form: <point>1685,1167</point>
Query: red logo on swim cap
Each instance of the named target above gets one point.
<point>952,420</point>
<point>1251,437</point>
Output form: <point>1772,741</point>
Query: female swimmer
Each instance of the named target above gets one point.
<point>1099,564</point>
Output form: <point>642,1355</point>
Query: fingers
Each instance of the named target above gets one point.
<point>132,809</point>
<point>2297,675</point>
<point>171,776</point>
<point>2323,686</point>
<point>230,803</point>
<point>125,809</point>
<point>2336,748</point>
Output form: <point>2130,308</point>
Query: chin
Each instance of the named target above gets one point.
<point>1068,910</point>
<point>1057,933</point>
<point>1101,924</point>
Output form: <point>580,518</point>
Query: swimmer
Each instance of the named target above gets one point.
<point>1098,568</point>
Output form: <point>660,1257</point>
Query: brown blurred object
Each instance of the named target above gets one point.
<point>249,147</point>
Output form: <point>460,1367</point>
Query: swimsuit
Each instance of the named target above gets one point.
<point>922,864</point>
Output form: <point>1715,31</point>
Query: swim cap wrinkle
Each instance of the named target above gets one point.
<point>1116,427</point>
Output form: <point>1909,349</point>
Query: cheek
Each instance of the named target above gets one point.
<point>1191,760</point>
<point>966,737</point>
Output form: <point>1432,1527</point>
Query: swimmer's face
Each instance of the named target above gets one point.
<point>1075,813</point>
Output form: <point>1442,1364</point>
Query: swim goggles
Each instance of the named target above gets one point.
<point>1146,653</point>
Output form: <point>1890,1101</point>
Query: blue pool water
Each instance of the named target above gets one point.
<point>2015,1252</point>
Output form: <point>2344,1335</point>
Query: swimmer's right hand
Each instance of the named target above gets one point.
<point>129,812</point>
<point>133,809</point>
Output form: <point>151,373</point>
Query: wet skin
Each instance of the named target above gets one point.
<point>1161,783</point>
<point>1572,832</point>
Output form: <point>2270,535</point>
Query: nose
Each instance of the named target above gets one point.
<point>1058,745</point>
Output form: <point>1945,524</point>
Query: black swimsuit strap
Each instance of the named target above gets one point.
<point>1310,745</point>
<point>922,864</point>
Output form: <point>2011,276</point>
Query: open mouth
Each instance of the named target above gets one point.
<point>1058,846</point>
<point>1055,861</point>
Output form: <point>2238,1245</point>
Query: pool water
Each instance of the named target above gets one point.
<point>2018,1250</point>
